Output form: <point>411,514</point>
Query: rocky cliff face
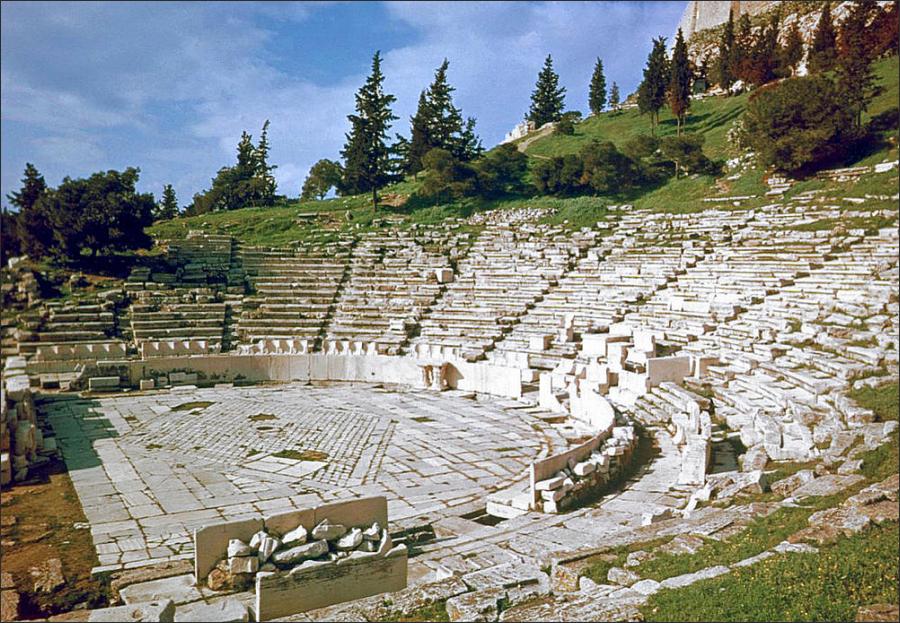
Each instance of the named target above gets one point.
<point>702,15</point>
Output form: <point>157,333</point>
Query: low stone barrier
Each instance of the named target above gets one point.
<point>304,559</point>
<point>483,377</point>
<point>173,348</point>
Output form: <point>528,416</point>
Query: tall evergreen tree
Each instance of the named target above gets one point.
<point>652,90</point>
<point>548,97</point>
<point>445,124</point>
<point>614,97</point>
<point>680,81</point>
<point>823,51</point>
<point>263,170</point>
<point>724,69</point>
<point>763,64</point>
<point>854,69</point>
<point>35,230</point>
<point>742,53</point>
<point>419,142</point>
<point>367,157</point>
<point>470,146</point>
<point>597,91</point>
<point>168,206</point>
<point>792,52</point>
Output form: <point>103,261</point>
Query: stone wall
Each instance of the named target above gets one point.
<point>702,15</point>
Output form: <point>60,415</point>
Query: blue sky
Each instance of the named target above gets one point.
<point>169,86</point>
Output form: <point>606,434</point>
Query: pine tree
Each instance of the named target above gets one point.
<point>614,97</point>
<point>597,91</point>
<point>652,90</point>
<point>548,97</point>
<point>762,65</point>
<point>823,51</point>
<point>742,53</point>
<point>854,71</point>
<point>367,157</point>
<point>724,70</point>
<point>445,124</point>
<point>419,142</point>
<point>35,230</point>
<point>469,144</point>
<point>792,52</point>
<point>680,81</point>
<point>168,206</point>
<point>266,184</point>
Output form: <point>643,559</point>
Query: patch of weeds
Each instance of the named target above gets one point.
<point>505,449</point>
<point>187,406</point>
<point>598,565</point>
<point>301,455</point>
<point>881,462</point>
<point>262,417</point>
<point>422,419</point>
<point>253,452</point>
<point>436,611</point>
<point>153,446</point>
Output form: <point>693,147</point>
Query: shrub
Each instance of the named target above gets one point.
<point>446,178</point>
<point>641,146</point>
<point>797,123</point>
<point>501,171</point>
<point>560,175</point>
<point>607,170</point>
<point>686,151</point>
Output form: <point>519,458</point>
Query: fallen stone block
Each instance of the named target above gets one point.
<point>161,611</point>
<point>687,579</point>
<point>226,610</point>
<point>481,605</point>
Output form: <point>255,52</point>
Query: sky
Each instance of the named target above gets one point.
<point>170,86</point>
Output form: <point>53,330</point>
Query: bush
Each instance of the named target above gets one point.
<point>798,123</point>
<point>561,175</point>
<point>607,170</point>
<point>566,123</point>
<point>686,151</point>
<point>641,146</point>
<point>446,178</point>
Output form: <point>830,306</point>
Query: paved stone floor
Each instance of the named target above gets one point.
<point>150,468</point>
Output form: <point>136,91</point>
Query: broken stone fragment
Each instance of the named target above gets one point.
<point>583,469</point>
<point>218,579</point>
<point>372,533</point>
<point>297,536</point>
<point>550,484</point>
<point>349,541</point>
<point>237,548</point>
<point>622,577</point>
<point>328,531</point>
<point>267,548</point>
<point>257,539</point>
<point>243,564</point>
<point>301,552</point>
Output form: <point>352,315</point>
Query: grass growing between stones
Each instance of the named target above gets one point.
<point>760,534</point>
<point>883,400</point>
<point>881,462</point>
<point>598,566</point>
<point>828,586</point>
<point>262,417</point>
<point>436,611</point>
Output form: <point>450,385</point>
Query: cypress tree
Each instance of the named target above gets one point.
<point>855,78</point>
<point>680,81</point>
<point>597,91</point>
<point>724,69</point>
<point>762,66</point>
<point>614,97</point>
<point>743,50</point>
<point>265,181</point>
<point>823,51</point>
<point>548,97</point>
<point>367,157</point>
<point>35,230</point>
<point>652,91</point>
<point>168,206</point>
<point>792,52</point>
<point>419,142</point>
<point>469,144</point>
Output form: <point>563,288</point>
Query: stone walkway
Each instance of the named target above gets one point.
<point>150,468</point>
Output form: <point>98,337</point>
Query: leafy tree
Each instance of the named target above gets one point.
<point>608,171</point>
<point>323,176</point>
<point>560,175</point>
<point>548,97</point>
<point>641,146</point>
<point>686,151</point>
<point>446,177</point>
<point>101,214</point>
<point>652,90</point>
<point>680,82</point>
<point>854,69</point>
<point>597,91</point>
<point>168,206</point>
<point>792,52</point>
<point>797,123</point>
<point>724,68</point>
<point>614,97</point>
<point>367,157</point>
<point>10,242</point>
<point>501,171</point>
<point>566,123</point>
<point>247,183</point>
<point>823,51</point>
<point>34,229</point>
